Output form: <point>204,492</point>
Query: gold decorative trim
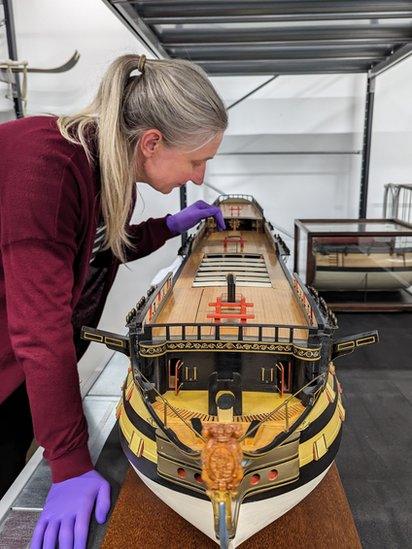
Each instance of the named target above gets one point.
<point>346,346</point>
<point>107,340</point>
<point>154,350</point>
<point>306,449</point>
<point>366,341</point>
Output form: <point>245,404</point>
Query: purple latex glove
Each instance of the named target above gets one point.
<point>190,216</point>
<point>66,515</point>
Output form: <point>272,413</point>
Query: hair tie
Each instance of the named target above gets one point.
<point>141,64</point>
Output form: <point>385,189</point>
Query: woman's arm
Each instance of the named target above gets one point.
<point>147,237</point>
<point>39,283</point>
<point>153,233</point>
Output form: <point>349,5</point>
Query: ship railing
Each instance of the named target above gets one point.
<point>277,333</point>
<point>307,301</point>
<point>317,382</point>
<point>248,197</point>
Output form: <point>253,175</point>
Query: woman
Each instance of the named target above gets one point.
<point>66,197</point>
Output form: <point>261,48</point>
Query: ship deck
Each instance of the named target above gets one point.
<point>256,405</point>
<point>260,279</point>
<point>246,210</point>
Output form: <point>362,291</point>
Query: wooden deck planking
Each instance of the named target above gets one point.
<point>276,305</point>
<point>177,307</point>
<point>247,210</point>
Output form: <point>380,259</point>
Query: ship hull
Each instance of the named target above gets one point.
<point>253,516</point>
<point>261,509</point>
<point>318,445</point>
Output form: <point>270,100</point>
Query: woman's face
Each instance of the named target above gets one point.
<point>165,168</point>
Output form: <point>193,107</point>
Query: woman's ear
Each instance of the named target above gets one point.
<point>149,142</point>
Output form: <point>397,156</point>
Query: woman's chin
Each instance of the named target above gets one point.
<point>163,189</point>
<point>174,186</point>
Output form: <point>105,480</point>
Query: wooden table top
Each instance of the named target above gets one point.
<point>322,520</point>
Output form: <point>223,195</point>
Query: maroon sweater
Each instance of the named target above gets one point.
<point>49,211</point>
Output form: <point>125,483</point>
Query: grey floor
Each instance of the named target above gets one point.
<point>375,458</point>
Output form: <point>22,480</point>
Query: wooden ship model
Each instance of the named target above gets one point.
<point>359,264</point>
<point>231,411</point>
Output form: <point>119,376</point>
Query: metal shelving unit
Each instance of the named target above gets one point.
<point>397,202</point>
<point>264,37</point>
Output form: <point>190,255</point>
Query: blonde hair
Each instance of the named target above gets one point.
<point>174,96</point>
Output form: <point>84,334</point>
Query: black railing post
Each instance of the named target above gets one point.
<point>183,204</point>
<point>367,141</point>
<point>12,47</point>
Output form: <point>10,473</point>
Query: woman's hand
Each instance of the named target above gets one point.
<point>190,216</point>
<point>65,519</point>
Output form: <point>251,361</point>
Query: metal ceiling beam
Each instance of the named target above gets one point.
<point>169,38</point>
<point>195,20</point>
<point>290,66</point>
<point>396,57</point>
<point>247,8</point>
<point>267,51</point>
<point>303,44</point>
<point>133,22</point>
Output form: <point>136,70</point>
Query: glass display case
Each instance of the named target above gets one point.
<point>357,263</point>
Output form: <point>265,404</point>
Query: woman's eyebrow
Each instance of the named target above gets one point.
<point>201,159</point>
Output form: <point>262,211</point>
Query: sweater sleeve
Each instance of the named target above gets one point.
<point>147,237</point>
<point>42,222</point>
<point>38,281</point>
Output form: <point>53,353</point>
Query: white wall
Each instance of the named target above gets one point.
<point>295,113</point>
<point>391,154</point>
<point>315,113</point>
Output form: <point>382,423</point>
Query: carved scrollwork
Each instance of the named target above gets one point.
<point>222,455</point>
<point>151,350</point>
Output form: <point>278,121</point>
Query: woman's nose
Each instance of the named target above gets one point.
<point>198,176</point>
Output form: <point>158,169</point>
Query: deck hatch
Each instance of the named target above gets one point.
<point>249,269</point>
